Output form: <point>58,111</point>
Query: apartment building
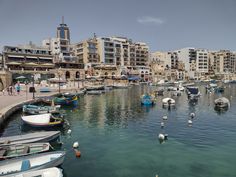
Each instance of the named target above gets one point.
<point>87,51</point>
<point>232,62</point>
<point>1,62</point>
<point>202,61</point>
<point>142,54</point>
<point>122,51</point>
<point>27,58</point>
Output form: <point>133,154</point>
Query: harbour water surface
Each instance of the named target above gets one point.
<point>118,137</point>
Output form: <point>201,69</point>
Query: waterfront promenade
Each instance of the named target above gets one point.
<point>11,103</point>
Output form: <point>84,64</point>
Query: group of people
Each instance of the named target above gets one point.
<point>12,89</point>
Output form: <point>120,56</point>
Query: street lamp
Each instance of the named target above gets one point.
<point>59,85</point>
<point>59,82</point>
<point>33,89</point>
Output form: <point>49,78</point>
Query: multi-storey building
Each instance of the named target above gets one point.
<point>63,31</point>
<point>202,61</point>
<point>69,65</point>
<point>232,62</point>
<point>122,52</point>
<point>87,51</point>
<point>28,59</point>
<point>188,57</point>
<point>1,62</point>
<point>142,54</point>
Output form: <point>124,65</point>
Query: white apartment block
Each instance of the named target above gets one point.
<point>60,48</point>
<point>122,52</point>
<point>202,61</point>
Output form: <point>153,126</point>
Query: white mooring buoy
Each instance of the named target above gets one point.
<point>69,131</point>
<point>76,144</point>
<point>165,117</point>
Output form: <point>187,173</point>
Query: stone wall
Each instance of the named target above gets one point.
<point>5,79</point>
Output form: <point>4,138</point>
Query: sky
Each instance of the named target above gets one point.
<point>164,25</point>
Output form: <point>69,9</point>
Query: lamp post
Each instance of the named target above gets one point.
<point>33,87</point>
<point>59,85</point>
<point>59,82</point>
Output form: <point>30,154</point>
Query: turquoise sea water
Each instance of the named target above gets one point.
<point>118,137</point>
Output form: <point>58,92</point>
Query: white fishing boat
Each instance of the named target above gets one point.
<point>18,150</point>
<point>32,162</point>
<point>34,109</point>
<point>121,85</point>
<point>222,103</point>
<point>168,102</point>
<point>94,92</point>
<point>42,120</point>
<point>41,136</point>
<point>48,172</point>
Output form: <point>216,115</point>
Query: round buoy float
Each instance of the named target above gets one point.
<point>192,115</point>
<point>69,131</point>
<point>190,122</point>
<point>164,117</point>
<point>77,153</point>
<point>161,137</point>
<point>76,144</point>
<point>166,137</point>
<point>162,124</point>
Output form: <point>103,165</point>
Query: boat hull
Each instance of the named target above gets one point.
<point>13,163</point>
<point>23,150</point>
<point>30,138</point>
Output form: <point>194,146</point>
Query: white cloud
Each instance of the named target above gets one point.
<point>150,20</point>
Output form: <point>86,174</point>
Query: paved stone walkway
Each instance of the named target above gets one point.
<point>7,100</point>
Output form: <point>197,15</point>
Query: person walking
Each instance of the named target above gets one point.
<point>11,89</point>
<point>18,88</point>
<point>8,90</point>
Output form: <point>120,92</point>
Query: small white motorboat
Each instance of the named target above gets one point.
<point>168,102</point>
<point>32,162</point>
<point>41,136</point>
<point>222,103</point>
<point>48,172</point>
<point>18,150</point>
<point>42,120</point>
<point>94,92</point>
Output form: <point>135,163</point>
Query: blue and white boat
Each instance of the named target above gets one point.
<point>35,109</point>
<point>193,92</point>
<point>48,172</point>
<point>147,99</point>
<point>31,163</point>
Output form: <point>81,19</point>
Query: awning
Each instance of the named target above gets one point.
<point>46,58</point>
<point>13,63</point>
<point>47,65</point>
<point>134,78</point>
<point>31,64</point>
<point>31,57</point>
<point>16,56</point>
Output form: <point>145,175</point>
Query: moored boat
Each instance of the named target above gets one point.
<point>42,120</point>
<point>48,172</point>
<point>222,102</point>
<point>193,92</point>
<point>168,102</point>
<point>34,109</point>
<point>31,162</point>
<point>94,92</point>
<point>42,136</point>
<point>147,99</point>
<point>18,150</point>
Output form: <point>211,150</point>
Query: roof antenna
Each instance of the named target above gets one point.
<point>62,19</point>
